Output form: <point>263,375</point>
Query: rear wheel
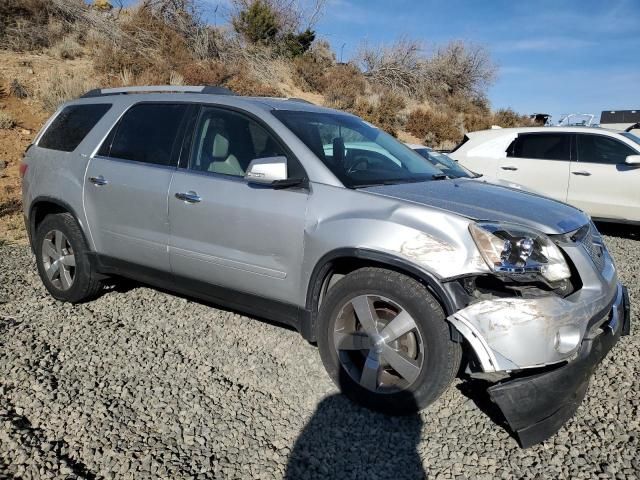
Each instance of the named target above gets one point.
<point>61,257</point>
<point>384,340</point>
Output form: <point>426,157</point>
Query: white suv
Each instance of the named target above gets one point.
<point>594,169</point>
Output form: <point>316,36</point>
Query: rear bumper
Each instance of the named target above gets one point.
<point>536,406</point>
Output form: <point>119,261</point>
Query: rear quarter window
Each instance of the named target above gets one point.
<point>72,125</point>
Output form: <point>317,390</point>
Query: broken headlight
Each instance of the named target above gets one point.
<point>515,249</point>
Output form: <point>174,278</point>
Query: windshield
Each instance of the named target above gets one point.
<point>445,164</point>
<point>631,136</point>
<point>358,153</point>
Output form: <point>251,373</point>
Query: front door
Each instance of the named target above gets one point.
<point>126,184</point>
<point>539,162</point>
<point>226,231</point>
<point>601,183</point>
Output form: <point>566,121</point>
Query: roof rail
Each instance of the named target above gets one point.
<point>206,89</point>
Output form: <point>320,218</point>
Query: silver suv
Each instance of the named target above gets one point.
<point>314,218</point>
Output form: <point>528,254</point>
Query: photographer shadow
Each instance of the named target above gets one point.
<point>343,440</point>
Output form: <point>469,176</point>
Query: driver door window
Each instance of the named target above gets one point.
<point>226,142</point>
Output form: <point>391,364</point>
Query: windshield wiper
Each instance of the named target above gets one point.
<point>397,181</point>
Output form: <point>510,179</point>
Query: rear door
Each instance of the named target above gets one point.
<point>540,162</point>
<point>126,184</point>
<point>226,231</point>
<point>600,182</point>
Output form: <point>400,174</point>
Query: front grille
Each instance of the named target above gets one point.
<point>591,241</point>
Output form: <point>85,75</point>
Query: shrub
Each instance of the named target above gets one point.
<point>18,90</point>
<point>397,67</point>
<point>506,117</point>
<point>474,122</point>
<point>435,128</point>
<point>295,44</point>
<point>151,47</point>
<point>23,24</point>
<point>6,120</point>
<point>343,84</point>
<point>459,69</point>
<point>244,84</point>
<point>309,73</point>
<point>257,23</point>
<point>384,113</point>
<point>206,73</point>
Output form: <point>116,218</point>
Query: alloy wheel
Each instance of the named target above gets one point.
<point>58,260</point>
<point>378,344</point>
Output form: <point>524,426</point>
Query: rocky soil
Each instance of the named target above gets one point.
<point>144,384</point>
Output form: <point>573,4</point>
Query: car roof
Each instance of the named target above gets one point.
<point>575,129</point>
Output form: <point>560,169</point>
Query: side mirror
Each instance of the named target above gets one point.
<point>267,170</point>
<point>633,160</point>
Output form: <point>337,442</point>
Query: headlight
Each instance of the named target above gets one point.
<point>515,249</point>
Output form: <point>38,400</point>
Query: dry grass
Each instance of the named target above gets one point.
<point>67,48</point>
<point>382,110</point>
<point>58,88</point>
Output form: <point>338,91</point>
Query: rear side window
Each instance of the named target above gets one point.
<point>71,125</point>
<point>544,146</point>
<point>600,149</point>
<point>146,133</point>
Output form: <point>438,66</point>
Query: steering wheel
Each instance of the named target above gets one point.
<point>360,163</point>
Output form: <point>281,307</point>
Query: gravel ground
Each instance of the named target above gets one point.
<point>144,384</point>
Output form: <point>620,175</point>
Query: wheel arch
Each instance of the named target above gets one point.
<point>41,207</point>
<point>346,260</point>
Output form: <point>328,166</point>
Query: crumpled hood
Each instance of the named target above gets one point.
<point>484,201</point>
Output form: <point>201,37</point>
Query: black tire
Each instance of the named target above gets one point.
<point>86,282</point>
<point>442,356</point>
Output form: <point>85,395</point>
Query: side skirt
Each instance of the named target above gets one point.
<point>254,305</point>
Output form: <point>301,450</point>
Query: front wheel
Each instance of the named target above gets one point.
<point>384,341</point>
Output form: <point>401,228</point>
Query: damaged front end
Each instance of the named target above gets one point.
<point>538,340</point>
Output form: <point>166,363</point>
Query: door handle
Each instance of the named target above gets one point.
<point>582,173</point>
<point>509,167</point>
<point>188,197</point>
<point>99,180</point>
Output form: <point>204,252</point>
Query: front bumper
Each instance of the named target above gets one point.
<point>536,406</point>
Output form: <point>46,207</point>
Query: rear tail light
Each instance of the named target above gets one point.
<point>23,169</point>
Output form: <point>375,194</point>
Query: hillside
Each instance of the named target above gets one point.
<point>54,50</point>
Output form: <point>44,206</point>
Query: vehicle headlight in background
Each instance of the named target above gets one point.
<point>515,249</point>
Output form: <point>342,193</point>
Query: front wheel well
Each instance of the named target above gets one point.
<point>332,269</point>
